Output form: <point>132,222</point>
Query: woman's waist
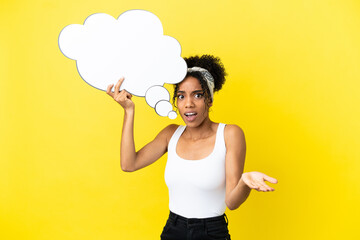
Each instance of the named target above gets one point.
<point>174,217</point>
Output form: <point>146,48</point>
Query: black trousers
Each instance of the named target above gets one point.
<point>180,228</point>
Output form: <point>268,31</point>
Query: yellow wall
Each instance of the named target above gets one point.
<point>293,87</point>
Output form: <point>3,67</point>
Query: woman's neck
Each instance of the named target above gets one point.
<point>204,130</point>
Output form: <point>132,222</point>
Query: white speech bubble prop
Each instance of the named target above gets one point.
<point>163,108</point>
<point>155,94</point>
<point>172,115</point>
<point>133,46</point>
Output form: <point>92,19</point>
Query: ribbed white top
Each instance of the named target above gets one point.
<point>197,187</point>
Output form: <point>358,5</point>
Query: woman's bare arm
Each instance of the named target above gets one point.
<point>130,160</point>
<point>239,184</point>
<point>236,192</point>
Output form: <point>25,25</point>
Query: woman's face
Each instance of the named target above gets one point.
<point>191,102</point>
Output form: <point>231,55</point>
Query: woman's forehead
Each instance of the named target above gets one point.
<point>190,84</point>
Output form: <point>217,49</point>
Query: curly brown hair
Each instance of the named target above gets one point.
<point>213,65</point>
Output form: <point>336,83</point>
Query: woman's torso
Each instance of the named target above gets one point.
<point>196,187</point>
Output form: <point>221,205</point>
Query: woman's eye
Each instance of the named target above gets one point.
<point>198,95</point>
<point>180,96</point>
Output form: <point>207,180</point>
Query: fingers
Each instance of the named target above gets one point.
<point>117,86</point>
<point>128,95</point>
<point>264,187</point>
<point>270,179</point>
<point>121,96</point>
<point>117,94</point>
<point>256,180</point>
<point>259,186</point>
<point>108,90</point>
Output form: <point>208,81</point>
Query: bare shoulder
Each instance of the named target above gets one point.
<point>168,131</point>
<point>234,135</point>
<point>233,130</point>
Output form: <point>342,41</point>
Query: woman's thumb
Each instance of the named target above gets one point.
<point>270,179</point>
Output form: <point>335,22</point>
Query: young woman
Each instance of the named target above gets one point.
<point>204,170</point>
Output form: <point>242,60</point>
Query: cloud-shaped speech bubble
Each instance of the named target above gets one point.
<point>133,46</point>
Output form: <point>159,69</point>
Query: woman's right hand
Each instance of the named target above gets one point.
<point>122,97</point>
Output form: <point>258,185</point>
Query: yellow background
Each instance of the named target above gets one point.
<point>293,87</point>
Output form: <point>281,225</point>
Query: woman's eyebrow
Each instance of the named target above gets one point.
<point>196,91</point>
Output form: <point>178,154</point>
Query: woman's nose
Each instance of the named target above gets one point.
<point>189,103</point>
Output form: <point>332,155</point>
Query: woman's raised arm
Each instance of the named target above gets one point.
<point>130,160</point>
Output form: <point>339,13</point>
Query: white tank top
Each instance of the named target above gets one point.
<point>197,187</point>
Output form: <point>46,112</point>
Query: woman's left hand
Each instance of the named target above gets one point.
<point>256,180</point>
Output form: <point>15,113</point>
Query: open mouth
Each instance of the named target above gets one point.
<point>190,116</point>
